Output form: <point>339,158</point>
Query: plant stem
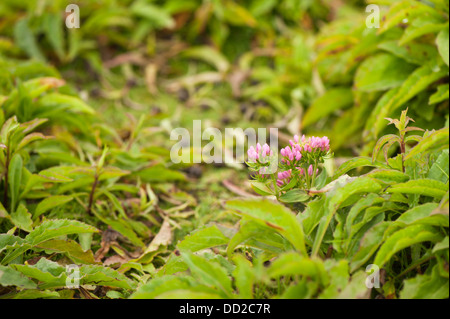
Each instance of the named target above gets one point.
<point>5,194</point>
<point>314,174</point>
<point>403,151</point>
<point>91,195</point>
<point>275,186</point>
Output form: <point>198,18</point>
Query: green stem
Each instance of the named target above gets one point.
<point>275,186</point>
<point>314,174</point>
<point>5,194</point>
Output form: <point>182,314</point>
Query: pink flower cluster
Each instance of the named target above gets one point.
<point>259,153</point>
<point>317,143</point>
<point>284,178</point>
<point>298,147</point>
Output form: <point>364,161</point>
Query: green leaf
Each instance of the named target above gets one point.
<point>261,188</point>
<point>423,215</point>
<point>273,215</point>
<point>417,81</point>
<point>443,245</point>
<point>440,169</point>
<point>441,95</point>
<point>104,276</point>
<point>49,274</point>
<point>244,275</point>
<point>208,55</point>
<point>73,103</point>
<point>204,238</point>
<point>292,264</point>
<point>382,72</point>
<point>415,53</point>
<point>30,139</point>
<point>253,234</point>
<point>157,286</point>
<point>159,173</point>
<point>33,294</point>
<point>425,187</point>
<point>426,287</point>
<point>435,140</point>
<point>409,10</point>
<point>404,238</point>
<point>294,196</point>
<point>442,43</point>
<point>209,273</point>
<point>53,26</point>
<point>337,199</point>
<point>368,245</point>
<point>50,203</point>
<point>422,26</point>
<point>15,179</point>
<point>11,277</point>
<point>357,163</point>
<point>123,228</point>
<point>69,247</point>
<point>157,16</point>
<point>8,241</point>
<point>238,15</point>
<point>26,40</point>
<point>332,100</point>
<point>21,218</point>
<point>49,229</point>
<point>388,176</point>
<point>391,138</point>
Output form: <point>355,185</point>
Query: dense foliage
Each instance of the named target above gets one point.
<point>87,179</point>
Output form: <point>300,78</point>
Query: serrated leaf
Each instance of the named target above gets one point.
<point>50,229</point>
<point>11,277</point>
<point>69,247</point>
<point>204,238</point>
<point>209,273</point>
<point>21,218</point>
<point>252,234</point>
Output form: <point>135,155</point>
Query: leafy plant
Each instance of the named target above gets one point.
<point>88,188</point>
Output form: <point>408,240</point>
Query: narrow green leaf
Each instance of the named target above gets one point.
<point>405,238</point>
